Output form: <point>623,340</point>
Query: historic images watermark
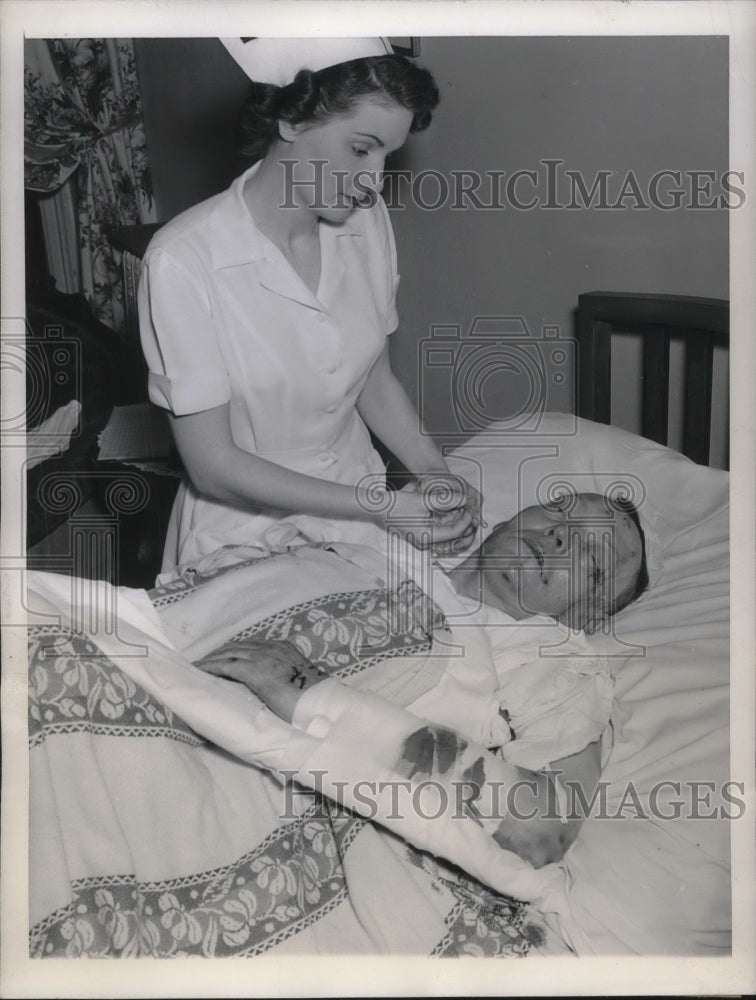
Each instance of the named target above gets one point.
<point>548,185</point>
<point>430,800</point>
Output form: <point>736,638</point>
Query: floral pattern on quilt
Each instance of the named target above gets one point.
<point>282,885</point>
<point>73,687</point>
<point>292,879</point>
<point>345,633</point>
<point>482,923</point>
<point>342,633</point>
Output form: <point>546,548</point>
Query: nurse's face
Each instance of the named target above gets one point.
<point>338,164</point>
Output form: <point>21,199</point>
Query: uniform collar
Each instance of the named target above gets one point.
<point>238,239</point>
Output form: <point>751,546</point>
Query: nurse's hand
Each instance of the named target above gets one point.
<point>447,495</point>
<point>444,494</point>
<point>433,516</point>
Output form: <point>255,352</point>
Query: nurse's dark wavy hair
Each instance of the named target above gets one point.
<point>316,97</point>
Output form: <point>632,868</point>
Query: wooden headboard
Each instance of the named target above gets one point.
<point>700,322</point>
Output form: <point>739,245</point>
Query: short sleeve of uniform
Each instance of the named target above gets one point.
<point>389,251</point>
<point>187,373</point>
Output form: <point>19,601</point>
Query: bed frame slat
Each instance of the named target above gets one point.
<point>699,356</point>
<point>700,322</point>
<point>595,389</point>
<point>655,403</point>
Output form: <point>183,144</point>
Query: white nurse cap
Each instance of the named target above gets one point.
<point>278,60</point>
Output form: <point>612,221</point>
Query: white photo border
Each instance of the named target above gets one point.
<point>21,976</point>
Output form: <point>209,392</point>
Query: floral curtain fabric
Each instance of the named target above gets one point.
<point>83,125</point>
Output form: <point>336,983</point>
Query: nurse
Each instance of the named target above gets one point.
<point>265,313</point>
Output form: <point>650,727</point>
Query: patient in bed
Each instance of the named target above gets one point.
<point>536,587</point>
<point>577,561</point>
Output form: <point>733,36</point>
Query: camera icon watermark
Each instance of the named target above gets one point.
<point>35,365</point>
<point>500,378</point>
<point>43,377</point>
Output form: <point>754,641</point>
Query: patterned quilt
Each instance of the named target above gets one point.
<point>147,838</point>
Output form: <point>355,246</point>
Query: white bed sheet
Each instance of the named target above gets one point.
<point>654,885</point>
<point>640,885</point>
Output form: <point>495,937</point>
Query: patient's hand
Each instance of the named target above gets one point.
<point>272,669</point>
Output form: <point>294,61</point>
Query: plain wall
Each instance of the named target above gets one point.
<point>614,104</point>
<point>507,104</point>
<point>191,94</point>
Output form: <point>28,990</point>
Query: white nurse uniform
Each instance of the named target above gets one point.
<point>225,318</point>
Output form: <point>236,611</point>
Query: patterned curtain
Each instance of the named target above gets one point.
<point>83,126</point>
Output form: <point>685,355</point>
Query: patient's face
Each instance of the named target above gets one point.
<point>570,559</point>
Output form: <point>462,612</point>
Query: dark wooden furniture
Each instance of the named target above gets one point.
<point>700,322</point>
<point>89,518</point>
<point>69,356</point>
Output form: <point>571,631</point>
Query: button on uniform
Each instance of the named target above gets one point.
<point>217,302</point>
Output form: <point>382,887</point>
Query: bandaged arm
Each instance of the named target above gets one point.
<point>534,829</point>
